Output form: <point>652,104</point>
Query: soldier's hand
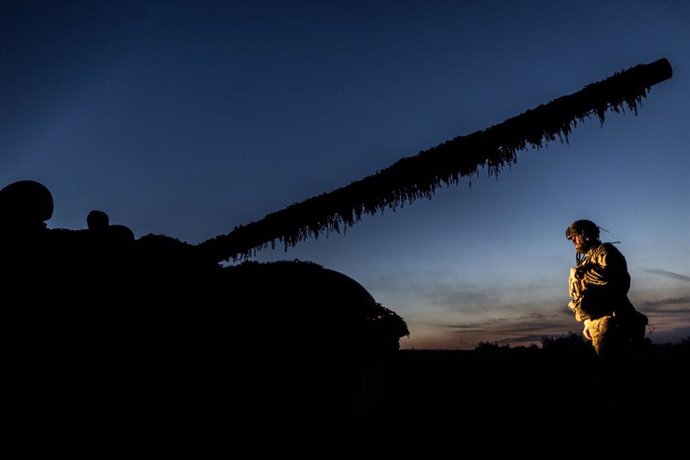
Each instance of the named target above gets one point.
<point>585,331</point>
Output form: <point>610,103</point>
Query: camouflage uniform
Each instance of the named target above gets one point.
<point>598,287</point>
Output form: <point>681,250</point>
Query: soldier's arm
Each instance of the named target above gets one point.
<point>608,267</point>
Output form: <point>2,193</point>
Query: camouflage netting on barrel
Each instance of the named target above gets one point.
<point>419,176</point>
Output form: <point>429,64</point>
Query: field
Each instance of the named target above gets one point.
<point>560,385</point>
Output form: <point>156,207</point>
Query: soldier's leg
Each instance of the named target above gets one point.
<point>602,336</point>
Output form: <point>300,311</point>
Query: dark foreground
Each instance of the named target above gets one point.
<point>494,399</point>
<point>561,387</point>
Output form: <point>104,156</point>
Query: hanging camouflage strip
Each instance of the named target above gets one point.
<point>419,176</point>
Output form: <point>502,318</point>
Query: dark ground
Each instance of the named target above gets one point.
<point>556,388</point>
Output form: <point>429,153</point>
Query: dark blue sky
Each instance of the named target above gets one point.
<point>188,118</point>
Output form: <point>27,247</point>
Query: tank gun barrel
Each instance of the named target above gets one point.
<point>420,175</point>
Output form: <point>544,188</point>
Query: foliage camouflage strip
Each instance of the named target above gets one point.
<point>419,176</point>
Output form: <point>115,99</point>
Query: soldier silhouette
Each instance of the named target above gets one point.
<point>598,287</point>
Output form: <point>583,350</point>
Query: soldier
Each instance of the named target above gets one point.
<point>97,220</point>
<point>598,287</point>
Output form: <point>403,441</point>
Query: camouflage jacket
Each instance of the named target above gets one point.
<point>598,286</point>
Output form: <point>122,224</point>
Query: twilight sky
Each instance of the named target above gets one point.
<point>187,118</point>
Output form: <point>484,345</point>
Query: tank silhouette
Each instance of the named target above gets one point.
<point>154,334</point>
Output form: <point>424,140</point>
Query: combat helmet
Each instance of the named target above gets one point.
<point>583,227</point>
<point>26,202</point>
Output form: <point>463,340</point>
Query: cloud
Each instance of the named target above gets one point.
<point>675,304</point>
<point>463,327</point>
<point>448,294</point>
<point>531,323</point>
<point>675,276</point>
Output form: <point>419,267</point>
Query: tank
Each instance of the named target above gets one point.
<point>116,337</point>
